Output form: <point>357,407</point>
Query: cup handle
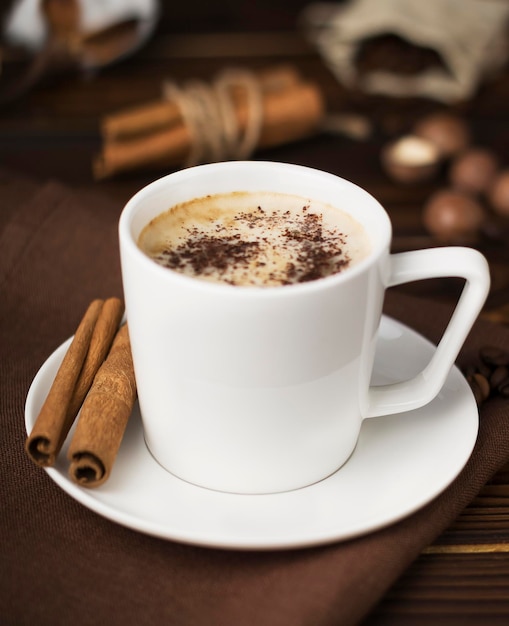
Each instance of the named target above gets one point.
<point>449,262</point>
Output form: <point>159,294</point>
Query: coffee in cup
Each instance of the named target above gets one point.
<point>258,239</point>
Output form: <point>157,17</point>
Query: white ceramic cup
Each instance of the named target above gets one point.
<point>260,390</point>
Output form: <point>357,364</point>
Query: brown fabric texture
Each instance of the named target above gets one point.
<point>63,564</point>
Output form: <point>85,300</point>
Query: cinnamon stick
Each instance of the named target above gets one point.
<point>104,416</point>
<point>288,114</point>
<point>159,114</point>
<point>100,344</point>
<point>88,349</point>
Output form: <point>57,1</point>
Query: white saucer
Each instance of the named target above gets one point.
<point>401,462</point>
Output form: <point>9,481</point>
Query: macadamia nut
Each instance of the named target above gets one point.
<point>474,170</point>
<point>453,216</point>
<point>499,193</point>
<point>449,133</point>
<point>410,159</point>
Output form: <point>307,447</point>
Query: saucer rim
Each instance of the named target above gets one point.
<point>264,540</point>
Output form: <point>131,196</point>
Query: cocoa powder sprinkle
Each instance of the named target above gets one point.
<point>263,239</point>
<point>312,251</point>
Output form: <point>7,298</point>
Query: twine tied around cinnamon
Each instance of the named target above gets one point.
<point>229,118</point>
<point>209,113</point>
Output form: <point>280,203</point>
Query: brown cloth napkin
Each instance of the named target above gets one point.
<point>60,563</point>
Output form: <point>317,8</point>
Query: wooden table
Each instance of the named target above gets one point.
<point>53,132</point>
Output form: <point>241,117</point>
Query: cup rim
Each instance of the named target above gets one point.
<point>130,210</point>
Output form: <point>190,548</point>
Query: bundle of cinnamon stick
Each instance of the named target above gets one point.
<point>158,134</point>
<point>95,380</point>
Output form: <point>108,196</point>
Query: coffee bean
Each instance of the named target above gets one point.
<point>483,384</point>
<point>499,376</point>
<point>477,391</point>
<point>492,355</point>
<point>503,388</point>
<point>484,369</point>
<point>469,371</point>
<point>490,374</point>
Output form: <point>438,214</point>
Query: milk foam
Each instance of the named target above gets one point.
<point>258,239</point>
